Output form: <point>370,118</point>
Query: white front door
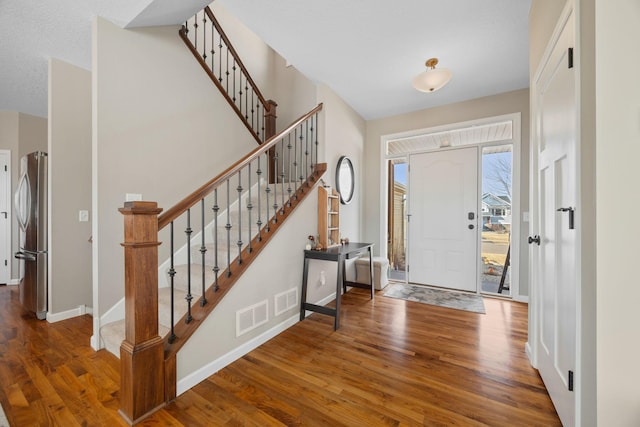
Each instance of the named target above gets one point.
<point>5,217</point>
<point>554,259</point>
<point>443,224</point>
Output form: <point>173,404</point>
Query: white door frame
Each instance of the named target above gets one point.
<point>534,315</point>
<point>9,221</point>
<point>515,118</point>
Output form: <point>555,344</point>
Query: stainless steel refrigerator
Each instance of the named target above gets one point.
<point>31,212</point>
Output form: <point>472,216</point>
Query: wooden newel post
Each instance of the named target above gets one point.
<point>141,352</point>
<point>269,131</point>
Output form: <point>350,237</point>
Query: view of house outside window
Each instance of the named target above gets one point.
<point>496,218</point>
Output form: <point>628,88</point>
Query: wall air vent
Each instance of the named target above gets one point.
<point>286,300</point>
<point>251,317</point>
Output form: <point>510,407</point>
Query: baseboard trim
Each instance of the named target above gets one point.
<point>64,315</point>
<point>522,298</point>
<point>528,351</point>
<point>96,343</point>
<point>14,282</point>
<point>206,371</point>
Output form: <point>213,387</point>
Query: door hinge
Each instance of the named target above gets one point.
<point>570,380</point>
<point>5,168</point>
<point>5,262</point>
<point>570,57</point>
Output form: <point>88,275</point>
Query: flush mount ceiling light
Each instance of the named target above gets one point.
<point>431,79</point>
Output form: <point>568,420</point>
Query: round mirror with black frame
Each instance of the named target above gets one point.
<point>345,179</point>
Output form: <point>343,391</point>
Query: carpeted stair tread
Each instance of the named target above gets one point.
<point>112,335</point>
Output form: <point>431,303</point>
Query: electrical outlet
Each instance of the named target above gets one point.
<point>83,216</point>
<point>132,197</point>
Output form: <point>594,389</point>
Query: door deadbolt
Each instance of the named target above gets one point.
<point>471,226</point>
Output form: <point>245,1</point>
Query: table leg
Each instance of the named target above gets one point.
<point>371,271</point>
<point>339,286</point>
<point>305,273</point>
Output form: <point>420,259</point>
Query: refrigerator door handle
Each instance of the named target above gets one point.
<point>24,256</point>
<point>23,222</point>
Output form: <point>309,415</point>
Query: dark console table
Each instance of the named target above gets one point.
<point>338,254</point>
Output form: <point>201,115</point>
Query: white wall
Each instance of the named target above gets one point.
<point>506,103</point>
<point>70,187</point>
<point>617,127</point>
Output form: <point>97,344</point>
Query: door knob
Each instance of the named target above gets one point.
<point>534,239</point>
<point>471,227</point>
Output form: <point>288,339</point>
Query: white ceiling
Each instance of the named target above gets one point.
<point>367,51</point>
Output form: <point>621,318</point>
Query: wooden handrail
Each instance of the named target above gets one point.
<point>206,189</point>
<point>262,99</point>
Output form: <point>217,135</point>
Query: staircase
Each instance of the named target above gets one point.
<point>187,276</point>
<point>211,236</point>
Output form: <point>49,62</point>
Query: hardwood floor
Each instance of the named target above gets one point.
<point>391,363</point>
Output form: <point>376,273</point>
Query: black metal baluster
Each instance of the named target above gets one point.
<point>240,78</point>
<point>282,172</point>
<point>195,32</point>
<point>220,58</point>
<point>216,267</point>
<point>275,184</point>
<point>246,98</point>
<point>316,135</point>
<point>306,148</point>
<point>302,164</point>
<point>264,113</point>
<point>258,115</point>
<point>240,217</point>
<point>204,37</point>
<point>252,111</point>
<point>259,222</point>
<point>289,167</point>
<point>172,273</point>
<point>295,162</point>
<point>227,71</point>
<point>189,297</point>
<point>249,208</point>
<point>213,47</point>
<point>233,71</point>
<point>203,251</point>
<point>228,227</point>
<point>267,190</point>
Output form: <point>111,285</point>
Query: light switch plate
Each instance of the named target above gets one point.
<point>525,216</point>
<point>83,216</point>
<point>132,197</point>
